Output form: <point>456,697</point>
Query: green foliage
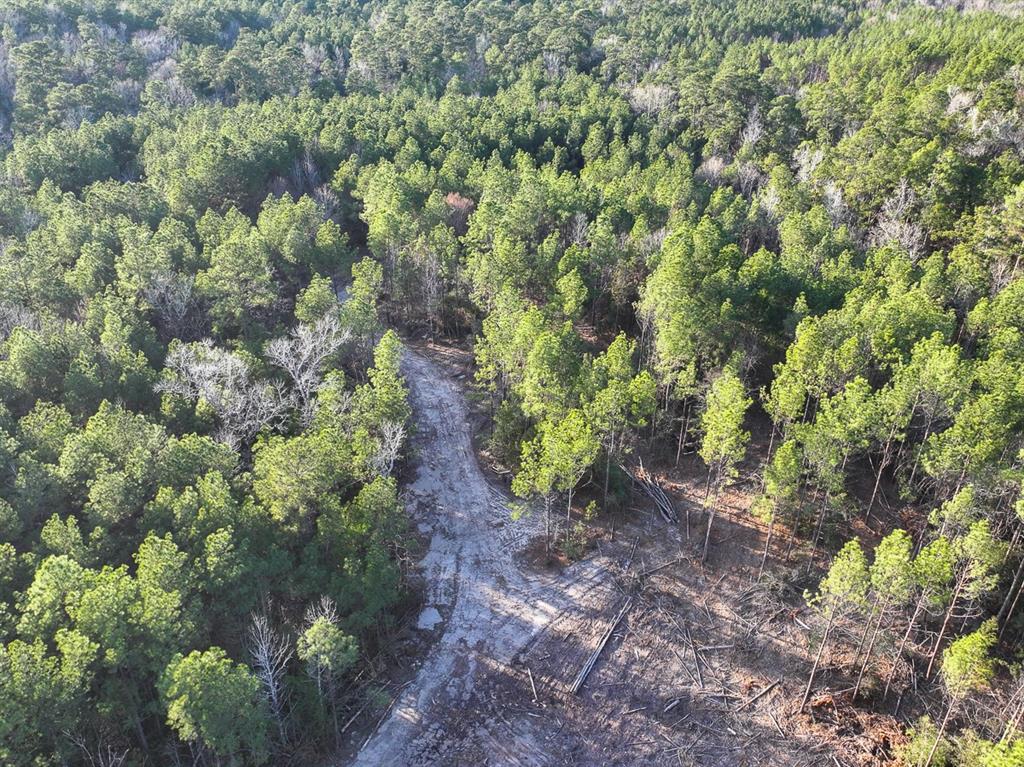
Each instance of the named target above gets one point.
<point>967,665</point>
<point>359,310</point>
<point>892,570</point>
<point>933,571</point>
<point>617,202</point>
<point>724,443</point>
<point>845,586</point>
<point>326,650</point>
<point>316,301</point>
<point>556,459</point>
<point>922,739</point>
<point>238,284</point>
<point>353,545</point>
<point>41,697</point>
<point>216,703</point>
<point>782,480</point>
<point>978,752</point>
<point>507,432</point>
<point>293,476</point>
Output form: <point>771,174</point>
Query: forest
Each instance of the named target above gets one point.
<point>780,240</point>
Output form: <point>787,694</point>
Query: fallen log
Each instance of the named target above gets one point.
<point>581,677</point>
<point>662,566</point>
<point>760,695</point>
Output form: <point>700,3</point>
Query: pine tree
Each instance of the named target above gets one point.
<point>967,667</point>
<point>842,591</point>
<point>725,442</point>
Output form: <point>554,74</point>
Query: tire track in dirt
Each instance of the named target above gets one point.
<point>489,607</point>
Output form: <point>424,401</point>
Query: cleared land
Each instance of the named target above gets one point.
<point>699,665</point>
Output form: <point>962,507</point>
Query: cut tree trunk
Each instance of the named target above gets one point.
<point>581,677</point>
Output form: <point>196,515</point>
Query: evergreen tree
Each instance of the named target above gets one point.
<point>725,442</point>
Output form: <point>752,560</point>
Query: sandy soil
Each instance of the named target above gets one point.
<point>485,608</point>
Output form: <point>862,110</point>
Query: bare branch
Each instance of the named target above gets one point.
<point>302,355</point>
<point>270,653</point>
<point>324,609</point>
<point>16,316</point>
<point>103,756</point>
<point>170,295</point>
<point>223,380</point>
<point>390,437</point>
<point>894,225</point>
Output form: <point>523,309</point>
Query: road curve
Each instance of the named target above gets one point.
<point>486,607</point>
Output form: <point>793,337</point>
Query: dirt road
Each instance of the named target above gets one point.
<point>486,608</point>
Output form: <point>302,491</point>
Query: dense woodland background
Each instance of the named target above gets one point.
<point>665,224</point>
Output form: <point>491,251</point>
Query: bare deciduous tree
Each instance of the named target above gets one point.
<point>170,295</point>
<point>305,174</point>
<point>712,169</point>
<point>390,437</point>
<point>1013,710</point>
<point>769,202</point>
<point>16,316</point>
<point>224,381</point>
<point>835,205</point>
<point>327,199</point>
<point>651,99</point>
<point>155,45</point>
<point>104,755</point>
<point>6,72</point>
<point>753,131</point>
<point>554,63</point>
<point>270,653</point>
<point>302,355</point>
<point>894,224</point>
<point>749,178</point>
<point>578,229</point>
<point>807,159</point>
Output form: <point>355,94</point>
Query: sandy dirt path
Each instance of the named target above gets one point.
<point>484,606</point>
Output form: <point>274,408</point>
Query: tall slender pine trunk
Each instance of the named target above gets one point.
<point>903,644</point>
<point>768,459</point>
<point>817,659</point>
<point>683,429</point>
<point>886,457</point>
<point>767,544</point>
<point>711,520</point>
<point>941,732</point>
<point>871,647</point>
<point>945,625</point>
<point>1010,602</point>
